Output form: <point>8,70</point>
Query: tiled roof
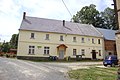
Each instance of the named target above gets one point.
<point>50,25</point>
<point>107,33</point>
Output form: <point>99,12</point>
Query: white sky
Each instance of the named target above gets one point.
<point>11,12</point>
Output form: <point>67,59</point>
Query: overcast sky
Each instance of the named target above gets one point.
<point>11,12</point>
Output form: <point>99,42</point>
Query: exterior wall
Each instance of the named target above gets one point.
<point>110,46</point>
<point>118,34</point>
<point>54,42</point>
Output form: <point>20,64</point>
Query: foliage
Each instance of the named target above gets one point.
<point>14,41</point>
<point>5,47</point>
<point>90,15</point>
<point>94,74</point>
<point>109,18</point>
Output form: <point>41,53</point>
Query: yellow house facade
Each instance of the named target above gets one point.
<point>42,38</point>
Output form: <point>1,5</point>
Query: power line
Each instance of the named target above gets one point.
<point>71,15</point>
<point>67,8</point>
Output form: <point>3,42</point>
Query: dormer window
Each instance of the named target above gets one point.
<point>32,35</point>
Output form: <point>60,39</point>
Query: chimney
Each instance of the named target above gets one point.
<point>24,14</point>
<point>63,22</point>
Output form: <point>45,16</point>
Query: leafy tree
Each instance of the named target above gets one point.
<point>88,15</point>
<point>108,15</point>
<point>5,47</point>
<point>14,41</point>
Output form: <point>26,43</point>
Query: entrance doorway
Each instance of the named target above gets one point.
<point>93,54</point>
<point>61,49</point>
<point>61,54</point>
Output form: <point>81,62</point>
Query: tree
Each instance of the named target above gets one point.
<point>14,41</point>
<point>108,15</point>
<point>5,47</point>
<point>88,15</point>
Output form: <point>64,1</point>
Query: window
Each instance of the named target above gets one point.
<point>99,52</point>
<point>93,41</point>
<point>74,52</point>
<point>46,50</point>
<point>31,49</point>
<point>32,35</point>
<point>83,40</point>
<point>61,38</point>
<point>47,37</point>
<point>74,39</point>
<point>83,52</point>
<point>98,41</point>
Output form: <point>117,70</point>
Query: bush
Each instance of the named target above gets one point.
<point>7,55</point>
<point>1,54</point>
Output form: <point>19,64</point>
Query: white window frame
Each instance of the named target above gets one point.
<point>74,39</point>
<point>83,40</point>
<point>46,50</point>
<point>31,50</point>
<point>61,38</point>
<point>47,37</point>
<point>32,35</point>
<point>74,52</point>
<point>83,52</point>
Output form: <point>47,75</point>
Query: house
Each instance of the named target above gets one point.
<point>117,8</point>
<point>109,41</point>
<point>40,38</point>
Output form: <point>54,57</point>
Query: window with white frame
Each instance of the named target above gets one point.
<point>46,50</point>
<point>93,41</point>
<point>99,52</point>
<point>74,39</point>
<point>83,52</point>
<point>32,35</point>
<point>61,38</point>
<point>47,37</point>
<point>83,40</point>
<point>99,41</point>
<point>74,52</point>
<point>31,50</point>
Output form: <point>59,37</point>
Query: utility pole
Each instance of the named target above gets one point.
<point>116,13</point>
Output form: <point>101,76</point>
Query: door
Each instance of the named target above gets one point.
<point>61,54</point>
<point>93,54</point>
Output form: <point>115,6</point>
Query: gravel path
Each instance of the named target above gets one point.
<point>13,69</point>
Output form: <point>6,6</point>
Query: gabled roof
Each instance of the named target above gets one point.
<point>107,33</point>
<point>56,26</point>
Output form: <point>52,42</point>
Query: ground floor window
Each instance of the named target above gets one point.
<point>83,52</point>
<point>46,50</point>
<point>31,50</point>
<point>74,52</point>
<point>99,52</point>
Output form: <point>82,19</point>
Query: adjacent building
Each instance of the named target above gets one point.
<point>41,38</point>
<point>109,41</point>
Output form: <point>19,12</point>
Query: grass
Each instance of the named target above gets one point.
<point>94,73</point>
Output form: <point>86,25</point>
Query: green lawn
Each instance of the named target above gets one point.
<point>94,74</point>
